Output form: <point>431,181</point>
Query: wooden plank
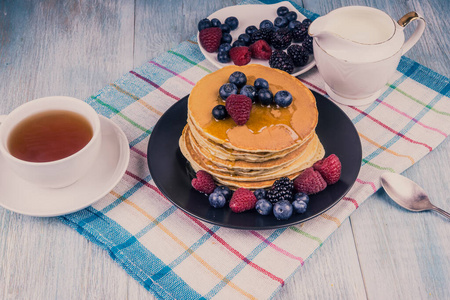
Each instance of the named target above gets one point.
<point>405,255</point>
<point>59,48</point>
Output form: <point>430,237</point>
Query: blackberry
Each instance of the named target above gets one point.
<point>267,34</point>
<point>281,39</point>
<point>282,189</point>
<point>308,44</point>
<point>281,60</point>
<point>262,34</point>
<point>299,33</point>
<point>298,54</point>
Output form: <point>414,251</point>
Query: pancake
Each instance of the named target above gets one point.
<point>269,129</point>
<point>234,179</point>
<point>275,142</point>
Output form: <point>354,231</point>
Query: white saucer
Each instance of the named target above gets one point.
<point>253,14</point>
<point>25,198</point>
<point>352,102</point>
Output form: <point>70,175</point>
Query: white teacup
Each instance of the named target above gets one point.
<point>61,172</point>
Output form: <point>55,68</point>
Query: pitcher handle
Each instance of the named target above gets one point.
<point>405,20</point>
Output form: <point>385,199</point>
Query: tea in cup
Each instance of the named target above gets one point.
<point>51,142</point>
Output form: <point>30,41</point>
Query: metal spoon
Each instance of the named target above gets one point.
<point>408,194</point>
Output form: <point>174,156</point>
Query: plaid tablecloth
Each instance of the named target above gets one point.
<point>176,256</point>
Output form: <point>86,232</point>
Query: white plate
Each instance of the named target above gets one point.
<point>253,14</point>
<point>25,198</point>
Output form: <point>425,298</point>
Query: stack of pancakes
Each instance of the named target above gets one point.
<point>275,142</point>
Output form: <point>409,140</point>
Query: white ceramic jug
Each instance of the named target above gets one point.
<point>357,50</point>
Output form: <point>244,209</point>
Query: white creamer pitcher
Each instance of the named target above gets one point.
<point>357,50</point>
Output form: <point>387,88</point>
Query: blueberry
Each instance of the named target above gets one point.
<point>204,23</point>
<point>215,22</point>
<point>282,10</point>
<point>291,16</point>
<point>299,206</point>
<point>238,43</point>
<point>263,207</point>
<point>224,47</point>
<point>294,23</point>
<point>245,38</point>
<point>261,83</point>
<point>302,197</point>
<point>266,24</point>
<point>227,89</point>
<point>225,28</point>
<point>217,200</point>
<point>307,22</point>
<point>226,38</point>
<point>225,191</point>
<point>250,30</point>
<point>260,193</point>
<point>265,96</point>
<point>282,210</point>
<point>283,98</point>
<point>219,112</point>
<point>238,78</point>
<point>281,22</point>
<point>223,57</point>
<point>232,22</point>
<point>249,91</point>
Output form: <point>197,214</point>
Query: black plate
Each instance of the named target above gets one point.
<point>168,168</point>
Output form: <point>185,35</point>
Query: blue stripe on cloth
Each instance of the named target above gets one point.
<point>161,273</point>
<point>425,76</point>
<point>131,191</point>
<point>141,137</point>
<point>106,233</point>
<point>243,263</point>
<point>408,126</point>
<point>127,194</point>
<point>386,93</point>
<point>158,220</point>
<point>146,229</point>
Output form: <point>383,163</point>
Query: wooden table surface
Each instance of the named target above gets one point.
<point>75,48</point>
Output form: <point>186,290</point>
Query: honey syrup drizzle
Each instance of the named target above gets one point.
<point>261,117</point>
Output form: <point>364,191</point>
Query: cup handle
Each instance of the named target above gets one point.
<point>405,20</point>
<point>2,118</point>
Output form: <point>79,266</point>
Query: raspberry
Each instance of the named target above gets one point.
<point>239,107</point>
<point>280,60</point>
<point>329,168</point>
<point>240,55</point>
<point>204,182</point>
<point>210,38</point>
<point>309,182</point>
<point>242,200</point>
<point>261,50</point>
